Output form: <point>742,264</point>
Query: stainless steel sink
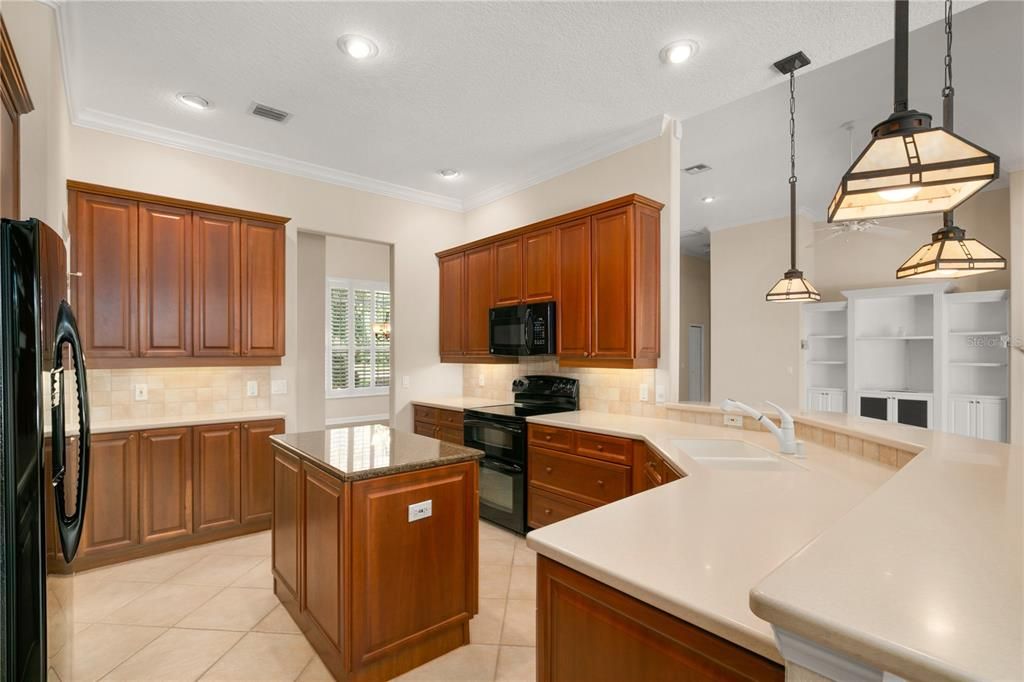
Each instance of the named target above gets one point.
<point>730,453</point>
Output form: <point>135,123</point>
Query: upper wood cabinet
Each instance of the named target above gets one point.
<point>170,282</point>
<point>601,265</point>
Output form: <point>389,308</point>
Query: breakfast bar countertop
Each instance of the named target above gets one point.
<point>354,453</point>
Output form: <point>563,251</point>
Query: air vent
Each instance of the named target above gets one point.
<point>697,168</point>
<point>263,111</point>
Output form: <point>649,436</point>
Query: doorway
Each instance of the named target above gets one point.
<point>695,362</point>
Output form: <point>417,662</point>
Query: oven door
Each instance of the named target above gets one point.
<point>503,494</point>
<point>506,441</point>
<point>508,328</point>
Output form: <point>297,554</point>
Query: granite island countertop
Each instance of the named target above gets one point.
<point>355,453</point>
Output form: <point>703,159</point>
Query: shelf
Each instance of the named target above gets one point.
<point>977,364</point>
<point>826,336</point>
<point>826,362</point>
<point>825,388</point>
<point>895,338</point>
<point>977,333</point>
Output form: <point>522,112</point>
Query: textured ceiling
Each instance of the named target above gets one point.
<point>505,92</point>
<point>746,142</point>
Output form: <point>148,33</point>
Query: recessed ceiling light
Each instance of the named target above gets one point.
<point>357,47</point>
<point>678,52</point>
<point>449,173</point>
<point>193,101</point>
<point>707,200</point>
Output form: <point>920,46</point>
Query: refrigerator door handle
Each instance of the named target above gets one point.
<point>69,527</point>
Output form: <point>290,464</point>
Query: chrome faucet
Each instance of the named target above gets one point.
<point>785,434</point>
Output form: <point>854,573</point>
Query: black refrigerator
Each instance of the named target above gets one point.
<point>44,449</point>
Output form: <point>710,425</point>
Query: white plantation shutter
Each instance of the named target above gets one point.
<point>357,362</point>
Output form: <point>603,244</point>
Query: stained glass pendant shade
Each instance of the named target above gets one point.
<point>951,254</point>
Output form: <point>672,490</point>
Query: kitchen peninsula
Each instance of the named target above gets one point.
<point>375,545</point>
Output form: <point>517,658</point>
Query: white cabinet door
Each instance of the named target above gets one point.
<point>990,419</point>
<point>961,416</point>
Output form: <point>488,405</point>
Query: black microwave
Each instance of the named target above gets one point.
<point>523,329</point>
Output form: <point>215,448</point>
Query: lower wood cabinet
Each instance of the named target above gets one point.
<point>323,513</point>
<point>434,422</point>
<point>285,554</point>
<point>587,630</point>
<point>160,489</point>
<point>165,483</point>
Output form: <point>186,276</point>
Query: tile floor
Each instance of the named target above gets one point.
<point>210,613</point>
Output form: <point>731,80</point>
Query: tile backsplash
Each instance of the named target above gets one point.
<point>175,392</point>
<point>616,391</point>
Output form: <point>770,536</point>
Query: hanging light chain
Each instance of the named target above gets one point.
<point>947,90</point>
<point>792,126</point>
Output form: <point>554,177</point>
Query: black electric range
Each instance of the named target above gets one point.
<point>500,431</point>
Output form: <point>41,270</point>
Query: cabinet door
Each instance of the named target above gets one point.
<point>323,548</point>
<point>961,416</point>
<point>111,521</point>
<point>262,289</point>
<point>216,308</point>
<point>508,272</point>
<point>258,469</point>
<point>452,305</point>
<point>479,300</point>
<point>165,281</point>
<point>875,407</point>
<point>104,235</point>
<point>990,419</point>
<point>216,477</point>
<point>165,483</point>
<point>913,411</point>
<point>612,287</point>
<point>573,270</point>
<point>539,266</point>
<point>285,519</point>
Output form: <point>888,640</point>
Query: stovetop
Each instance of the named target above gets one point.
<point>536,394</point>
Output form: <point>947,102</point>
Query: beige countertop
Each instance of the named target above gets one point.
<point>916,571</point>
<point>119,425</point>
<point>458,402</point>
<point>354,453</point>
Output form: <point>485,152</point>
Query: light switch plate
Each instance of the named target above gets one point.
<point>252,389</point>
<point>279,386</point>
<point>481,381</point>
<point>142,391</point>
<point>406,382</point>
<point>420,510</point>
<point>645,392</point>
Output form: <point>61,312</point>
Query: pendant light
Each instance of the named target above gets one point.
<point>910,167</point>
<point>950,253</point>
<point>792,287</point>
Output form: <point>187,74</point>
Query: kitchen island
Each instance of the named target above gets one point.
<point>375,546</point>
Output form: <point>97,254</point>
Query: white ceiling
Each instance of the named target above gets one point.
<point>507,92</point>
<point>746,142</point>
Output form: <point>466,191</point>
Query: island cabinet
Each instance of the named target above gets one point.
<point>166,282</point>
<point>600,265</point>
<point>587,630</point>
<point>155,490</point>
<point>375,543</point>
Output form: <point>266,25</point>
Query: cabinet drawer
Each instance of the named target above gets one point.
<point>654,467</point>
<point>428,429</point>
<point>544,508</point>
<point>449,419</point>
<point>422,413</point>
<point>581,478</point>
<point>549,437</point>
<point>451,435</point>
<point>608,448</point>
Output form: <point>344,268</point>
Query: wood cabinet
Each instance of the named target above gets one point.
<point>287,548</point>
<point>111,521</point>
<point>601,265</point>
<point>323,513</point>
<point>257,472</point>
<point>433,422</point>
<point>217,307</point>
<point>165,483</point>
<point>169,282</point>
<point>587,630</point>
<point>217,472</point>
<point>650,469</point>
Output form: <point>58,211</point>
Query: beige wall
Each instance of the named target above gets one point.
<point>651,169</point>
<point>694,308</point>
<point>309,363</point>
<point>863,261</point>
<point>756,351</point>
<point>1016,258</point>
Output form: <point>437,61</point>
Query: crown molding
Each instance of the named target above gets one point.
<point>647,130</point>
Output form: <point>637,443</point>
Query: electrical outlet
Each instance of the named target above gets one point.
<point>406,382</point>
<point>659,394</point>
<point>481,381</point>
<point>252,389</point>
<point>645,391</point>
<point>141,391</point>
<point>420,510</point>
<point>733,420</point>
<point>279,386</point>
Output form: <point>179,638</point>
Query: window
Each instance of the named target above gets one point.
<point>358,362</point>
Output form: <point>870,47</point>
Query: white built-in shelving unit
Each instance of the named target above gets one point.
<point>915,354</point>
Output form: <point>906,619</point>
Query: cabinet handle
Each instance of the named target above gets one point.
<point>600,447</point>
<point>547,512</point>
<point>586,354</point>
<point>547,437</point>
<point>547,469</point>
<point>600,482</point>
